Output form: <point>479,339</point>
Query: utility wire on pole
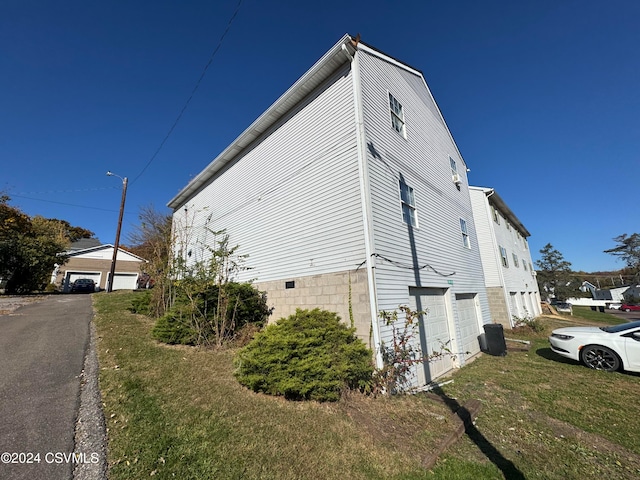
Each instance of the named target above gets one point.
<point>117,242</point>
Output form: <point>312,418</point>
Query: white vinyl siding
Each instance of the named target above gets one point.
<point>497,243</point>
<point>427,257</point>
<point>292,202</point>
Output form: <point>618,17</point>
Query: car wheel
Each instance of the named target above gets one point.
<point>627,309</point>
<point>600,358</point>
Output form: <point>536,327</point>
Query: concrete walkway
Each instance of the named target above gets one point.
<point>42,354</point>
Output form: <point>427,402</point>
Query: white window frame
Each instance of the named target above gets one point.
<point>496,214</point>
<point>408,203</point>
<point>503,256</point>
<point>466,241</point>
<point>397,116</point>
<point>516,263</point>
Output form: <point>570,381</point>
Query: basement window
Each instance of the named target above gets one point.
<point>290,284</point>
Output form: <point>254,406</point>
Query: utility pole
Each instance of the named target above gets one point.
<point>117,242</point>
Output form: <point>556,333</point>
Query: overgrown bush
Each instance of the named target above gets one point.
<point>528,323</point>
<point>310,355</point>
<point>195,320</point>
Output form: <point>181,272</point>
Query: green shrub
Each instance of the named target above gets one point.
<point>195,321</point>
<point>141,303</point>
<point>310,355</point>
<point>175,329</point>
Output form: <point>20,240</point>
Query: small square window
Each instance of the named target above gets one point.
<point>397,116</point>
<point>409,214</point>
<point>290,284</point>
<point>465,234</point>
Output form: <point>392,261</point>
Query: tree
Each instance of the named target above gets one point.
<point>628,249</point>
<point>554,273</point>
<point>31,247</point>
<point>152,240</point>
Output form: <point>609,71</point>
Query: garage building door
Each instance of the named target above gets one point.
<point>73,276</point>
<point>469,328</point>
<point>125,281</point>
<point>434,330</point>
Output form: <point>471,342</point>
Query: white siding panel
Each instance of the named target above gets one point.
<point>432,255</point>
<point>292,202</point>
<point>513,278</point>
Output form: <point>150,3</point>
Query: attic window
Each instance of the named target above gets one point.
<point>397,116</point>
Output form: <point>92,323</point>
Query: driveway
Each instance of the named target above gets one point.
<point>42,349</point>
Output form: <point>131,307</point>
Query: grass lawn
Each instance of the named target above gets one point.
<point>177,412</point>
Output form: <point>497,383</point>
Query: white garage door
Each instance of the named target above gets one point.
<point>434,331</point>
<point>73,276</point>
<point>469,328</point>
<point>125,281</point>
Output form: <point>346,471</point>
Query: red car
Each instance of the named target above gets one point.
<point>625,307</point>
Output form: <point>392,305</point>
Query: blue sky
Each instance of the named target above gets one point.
<point>542,98</point>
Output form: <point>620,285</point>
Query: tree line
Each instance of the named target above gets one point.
<point>30,247</point>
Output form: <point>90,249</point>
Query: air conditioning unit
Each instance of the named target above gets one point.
<point>456,179</point>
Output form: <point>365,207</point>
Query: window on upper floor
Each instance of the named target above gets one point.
<point>516,263</point>
<point>397,116</point>
<point>495,214</point>
<point>409,214</point>
<point>524,265</point>
<point>503,256</point>
<point>465,234</point>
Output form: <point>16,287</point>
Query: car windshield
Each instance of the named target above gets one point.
<point>621,328</point>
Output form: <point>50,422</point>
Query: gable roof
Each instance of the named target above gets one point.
<point>340,53</point>
<point>84,243</point>
<point>75,253</point>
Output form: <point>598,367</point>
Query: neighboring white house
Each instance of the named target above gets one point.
<point>510,278</point>
<point>94,262</point>
<point>350,186</point>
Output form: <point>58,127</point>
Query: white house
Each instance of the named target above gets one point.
<point>90,259</point>
<point>510,278</point>
<point>349,191</point>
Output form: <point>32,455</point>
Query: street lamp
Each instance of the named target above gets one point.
<point>117,243</point>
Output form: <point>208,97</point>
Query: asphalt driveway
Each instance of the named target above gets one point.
<point>42,350</point>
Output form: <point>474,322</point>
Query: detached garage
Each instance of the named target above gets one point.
<point>90,259</point>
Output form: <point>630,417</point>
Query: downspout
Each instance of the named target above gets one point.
<point>365,201</point>
<point>500,267</point>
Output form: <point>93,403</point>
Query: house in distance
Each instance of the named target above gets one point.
<point>350,189</point>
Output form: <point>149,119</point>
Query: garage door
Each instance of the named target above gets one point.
<point>434,331</point>
<point>468,320</point>
<point>73,276</point>
<point>125,281</point>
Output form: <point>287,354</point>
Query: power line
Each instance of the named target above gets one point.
<point>204,71</point>
<point>66,204</point>
<point>47,192</point>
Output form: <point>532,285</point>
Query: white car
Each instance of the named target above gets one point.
<point>602,348</point>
